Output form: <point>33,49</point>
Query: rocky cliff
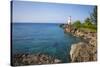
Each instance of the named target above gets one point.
<point>87,49</point>
<point>83,52</point>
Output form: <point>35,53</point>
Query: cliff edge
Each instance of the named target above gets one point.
<point>87,49</point>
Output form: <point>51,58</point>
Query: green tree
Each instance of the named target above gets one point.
<point>77,24</point>
<point>87,20</point>
<point>93,15</point>
<point>88,24</point>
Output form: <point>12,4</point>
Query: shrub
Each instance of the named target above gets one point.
<point>77,24</point>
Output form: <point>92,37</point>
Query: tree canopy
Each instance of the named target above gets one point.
<point>93,15</point>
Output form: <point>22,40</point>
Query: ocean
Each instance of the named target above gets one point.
<point>46,38</point>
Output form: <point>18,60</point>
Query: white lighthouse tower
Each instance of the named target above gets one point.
<point>69,20</point>
<point>68,29</point>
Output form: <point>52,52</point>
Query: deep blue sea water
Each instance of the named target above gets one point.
<point>48,38</point>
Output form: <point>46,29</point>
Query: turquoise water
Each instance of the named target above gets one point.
<point>48,38</point>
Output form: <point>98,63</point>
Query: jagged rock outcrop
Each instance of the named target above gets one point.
<point>83,52</point>
<point>34,59</point>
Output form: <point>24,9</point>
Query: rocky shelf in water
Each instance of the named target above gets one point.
<point>33,59</point>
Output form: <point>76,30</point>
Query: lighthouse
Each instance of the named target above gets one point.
<point>69,24</point>
<point>69,20</point>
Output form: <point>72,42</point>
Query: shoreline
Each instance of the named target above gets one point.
<point>80,52</point>
<point>33,59</point>
<point>87,49</point>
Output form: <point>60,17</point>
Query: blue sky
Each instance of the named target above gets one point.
<point>24,11</point>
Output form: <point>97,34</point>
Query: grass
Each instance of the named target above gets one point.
<point>87,29</point>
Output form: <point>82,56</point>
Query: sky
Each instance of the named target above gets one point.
<point>25,12</point>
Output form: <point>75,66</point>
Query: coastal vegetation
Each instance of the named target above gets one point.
<point>89,24</point>
<point>86,25</point>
